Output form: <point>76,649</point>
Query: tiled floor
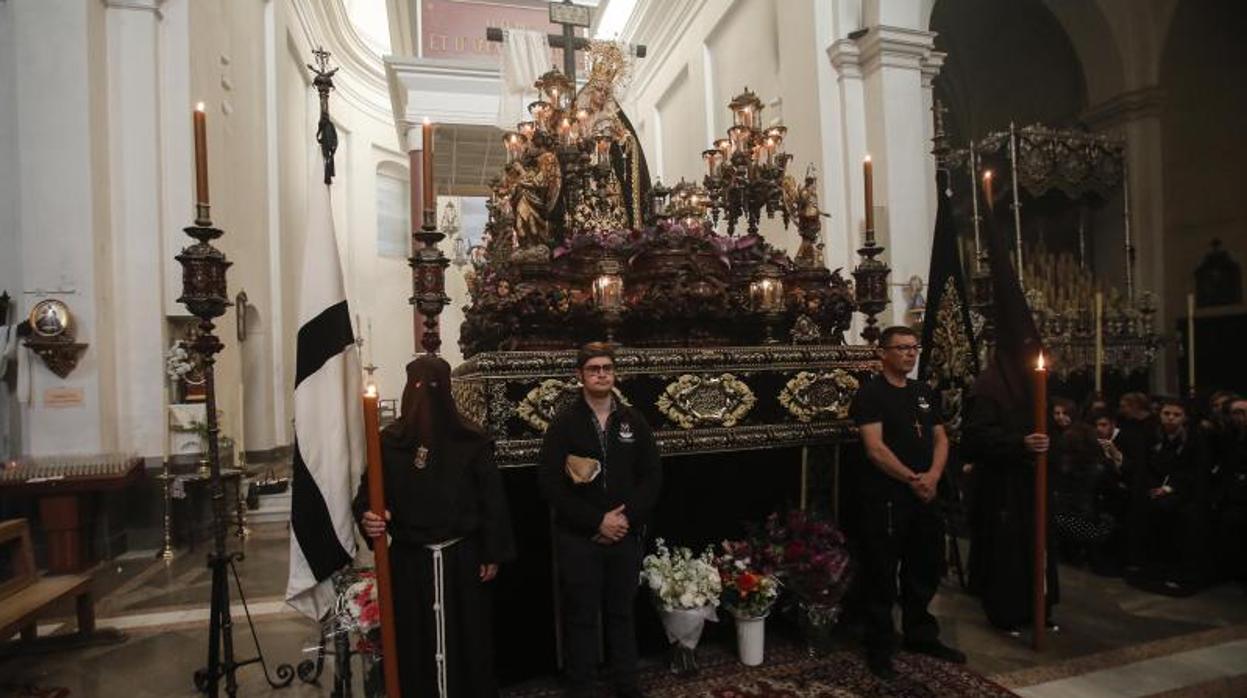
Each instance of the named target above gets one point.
<point>164,609</point>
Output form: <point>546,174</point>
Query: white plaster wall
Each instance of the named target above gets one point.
<point>377,287</point>
<point>11,278</point>
<point>704,52</point>
<point>62,215</point>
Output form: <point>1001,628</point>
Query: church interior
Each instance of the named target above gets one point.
<point>227,227</point>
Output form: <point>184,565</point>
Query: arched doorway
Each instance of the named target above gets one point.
<point>1006,61</point>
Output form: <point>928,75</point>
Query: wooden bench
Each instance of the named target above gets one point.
<point>25,595</point>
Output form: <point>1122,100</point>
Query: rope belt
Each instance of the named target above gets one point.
<point>439,610</point>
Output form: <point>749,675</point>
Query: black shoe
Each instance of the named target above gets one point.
<point>937,649</point>
<point>630,692</point>
<point>881,667</point>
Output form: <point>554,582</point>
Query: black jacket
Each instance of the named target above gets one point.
<point>631,470</point>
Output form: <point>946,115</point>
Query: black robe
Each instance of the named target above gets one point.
<point>458,494</point>
<point>1002,521</point>
<point>1172,534</point>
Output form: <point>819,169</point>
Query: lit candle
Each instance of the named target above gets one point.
<point>868,174</point>
<point>1190,343</point>
<point>987,189</point>
<point>201,156</point>
<point>380,545</point>
<point>1099,343</point>
<point>430,202</point>
<point>711,157</point>
<point>1039,581</point>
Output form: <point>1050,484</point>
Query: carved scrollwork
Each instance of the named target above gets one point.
<point>543,403</point>
<point>693,401</point>
<point>470,399</point>
<point>826,394</point>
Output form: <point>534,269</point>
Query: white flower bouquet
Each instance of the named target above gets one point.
<point>178,361</point>
<point>679,580</point>
<point>686,590</point>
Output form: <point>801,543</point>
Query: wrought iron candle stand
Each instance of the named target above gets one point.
<point>428,275</point>
<point>204,295</point>
<point>871,276</point>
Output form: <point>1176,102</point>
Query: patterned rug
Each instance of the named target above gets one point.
<point>789,673</point>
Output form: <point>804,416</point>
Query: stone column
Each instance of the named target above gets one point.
<point>1135,116</point>
<point>846,234</point>
<point>898,65</point>
<point>61,150</point>
<point>135,309</point>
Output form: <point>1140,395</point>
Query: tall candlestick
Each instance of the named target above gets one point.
<point>1190,343</point>
<point>380,546</point>
<point>1099,343</point>
<point>201,164</point>
<point>430,201</point>
<point>415,190</point>
<point>974,205</point>
<point>868,174</point>
<point>1040,579</point>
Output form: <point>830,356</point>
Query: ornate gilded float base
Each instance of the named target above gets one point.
<point>698,400</point>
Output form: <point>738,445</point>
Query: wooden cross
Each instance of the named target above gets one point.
<point>570,16</point>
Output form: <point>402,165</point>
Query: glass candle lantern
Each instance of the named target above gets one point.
<point>608,286</point>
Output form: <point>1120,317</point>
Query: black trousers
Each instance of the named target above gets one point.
<point>599,579</point>
<point>900,531</point>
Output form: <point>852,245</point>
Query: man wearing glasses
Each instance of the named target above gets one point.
<point>903,435</point>
<point>600,473</point>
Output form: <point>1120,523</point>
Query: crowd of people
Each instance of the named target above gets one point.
<point>1154,490</point>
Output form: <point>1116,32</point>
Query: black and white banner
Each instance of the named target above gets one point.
<point>328,421</point>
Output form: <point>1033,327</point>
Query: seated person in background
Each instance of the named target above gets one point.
<point>1231,494</point>
<point>1171,494</point>
<point>1114,490</point>
<point>1216,420</point>
<point>1081,526</point>
<point>1138,428</point>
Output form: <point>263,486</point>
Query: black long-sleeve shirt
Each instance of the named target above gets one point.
<point>631,469</point>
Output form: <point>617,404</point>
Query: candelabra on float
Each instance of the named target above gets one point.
<point>745,171</point>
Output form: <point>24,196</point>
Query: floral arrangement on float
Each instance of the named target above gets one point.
<point>810,557</point>
<point>355,626</point>
<point>748,594</point>
<point>686,590</point>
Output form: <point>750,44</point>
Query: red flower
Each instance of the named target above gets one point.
<point>747,582</point>
<point>795,550</point>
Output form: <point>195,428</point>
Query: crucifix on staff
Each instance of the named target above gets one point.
<point>570,16</point>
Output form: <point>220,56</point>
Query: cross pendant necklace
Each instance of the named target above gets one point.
<point>918,427</point>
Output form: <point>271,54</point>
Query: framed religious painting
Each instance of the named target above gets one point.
<point>49,318</point>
